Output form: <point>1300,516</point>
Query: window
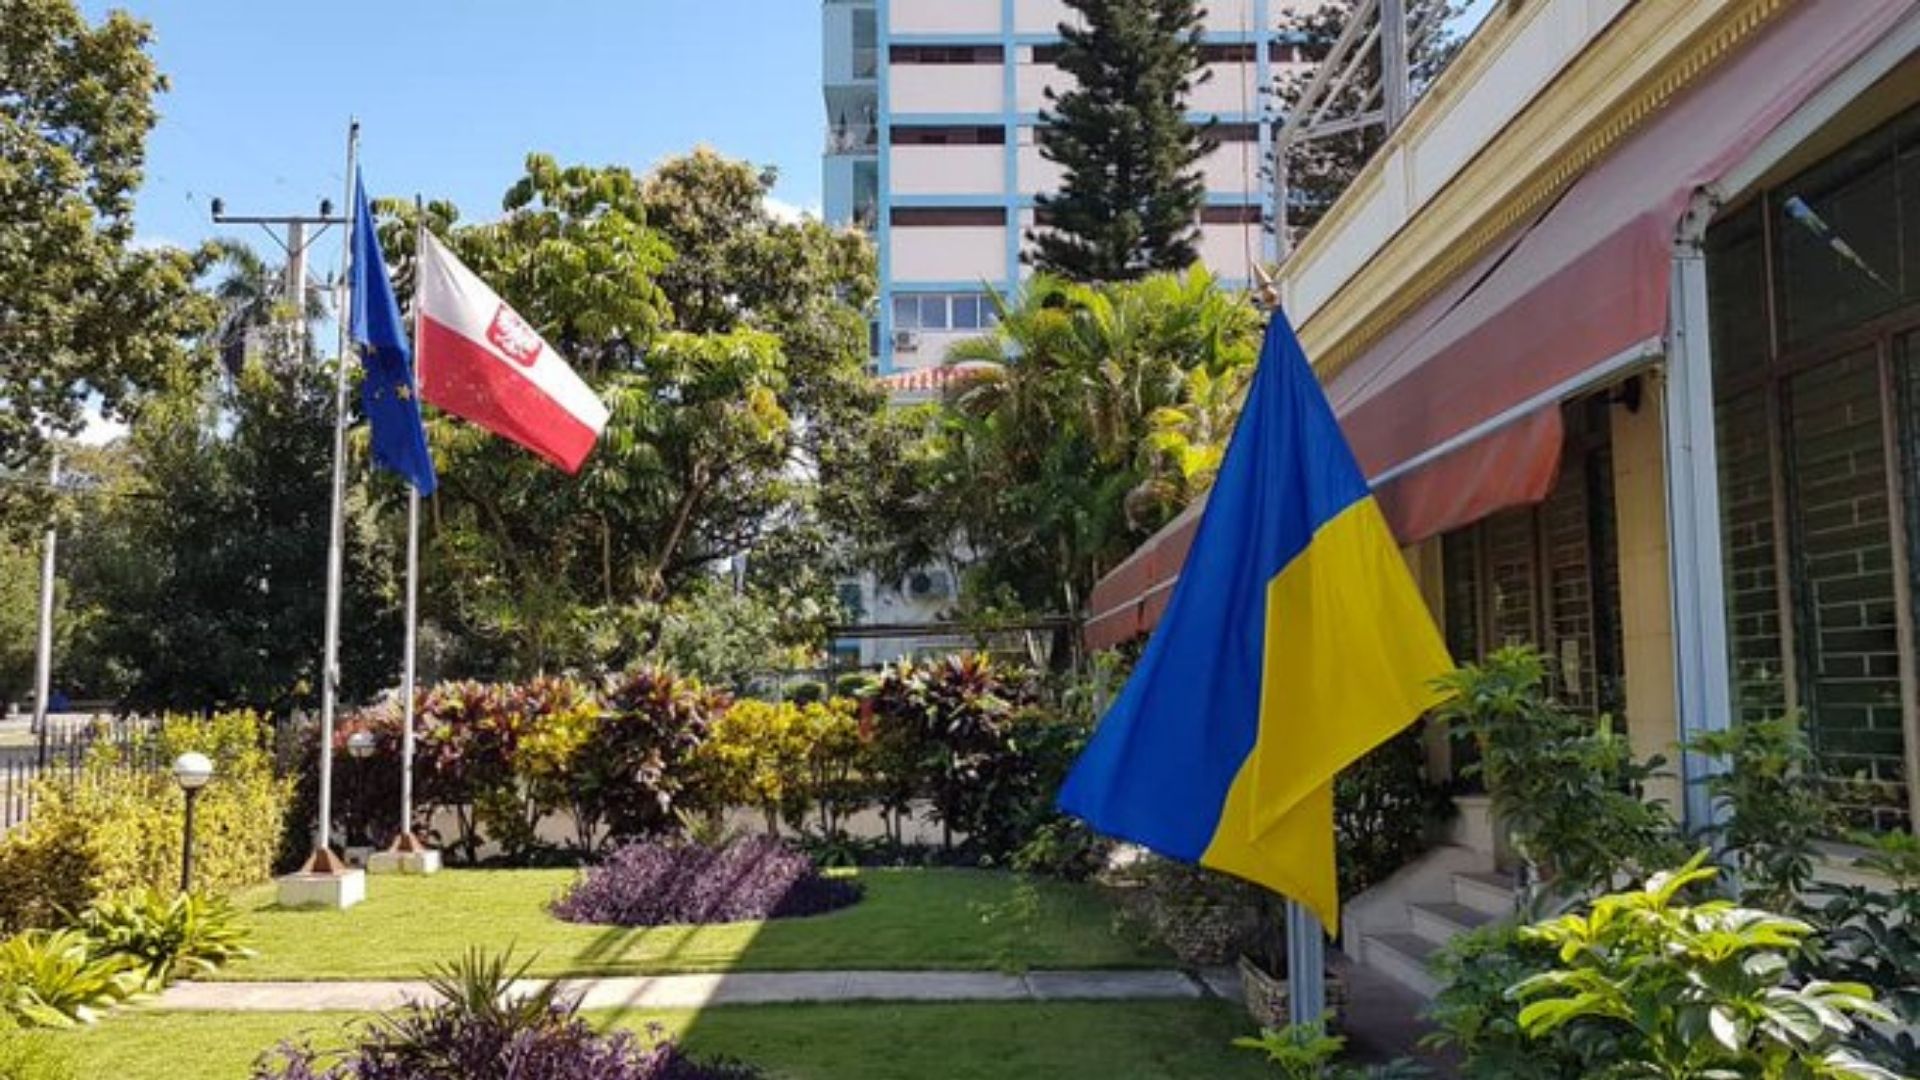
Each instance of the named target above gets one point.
<point>1815,313</point>
<point>1228,54</point>
<point>1047,54</point>
<point>1548,575</point>
<point>933,313</point>
<point>1230,215</point>
<point>965,135</point>
<point>953,216</point>
<point>943,311</point>
<point>946,54</point>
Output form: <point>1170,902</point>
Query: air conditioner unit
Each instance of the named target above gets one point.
<point>906,341</point>
<point>929,585</point>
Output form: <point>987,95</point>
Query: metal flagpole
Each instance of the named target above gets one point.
<point>1306,966</point>
<point>323,859</point>
<point>43,649</point>
<point>407,841</point>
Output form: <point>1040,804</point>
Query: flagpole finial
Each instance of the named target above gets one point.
<point>1266,291</point>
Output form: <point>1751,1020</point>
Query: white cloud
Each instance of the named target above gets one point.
<point>99,429</point>
<point>792,213</point>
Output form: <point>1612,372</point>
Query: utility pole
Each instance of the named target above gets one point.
<point>297,242</point>
<point>43,653</point>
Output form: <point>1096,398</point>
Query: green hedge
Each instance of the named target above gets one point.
<point>112,829</point>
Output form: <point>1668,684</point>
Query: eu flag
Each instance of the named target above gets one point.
<point>1294,642</point>
<point>388,393</point>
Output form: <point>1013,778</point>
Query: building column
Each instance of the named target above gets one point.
<point>1646,594</point>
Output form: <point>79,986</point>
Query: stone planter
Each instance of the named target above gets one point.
<point>1267,995</point>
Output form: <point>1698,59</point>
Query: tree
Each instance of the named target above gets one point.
<point>85,316</point>
<point>730,347</point>
<point>19,617</point>
<point>1096,412</point>
<point>201,574</point>
<point>252,295</point>
<point>1132,189</point>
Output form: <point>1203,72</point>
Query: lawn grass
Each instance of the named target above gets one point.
<point>909,919</point>
<point>1066,1040</point>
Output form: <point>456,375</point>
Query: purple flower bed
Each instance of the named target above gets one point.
<point>446,1044</point>
<point>659,883</point>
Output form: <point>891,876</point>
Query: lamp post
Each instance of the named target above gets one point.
<point>360,747</point>
<point>191,771</point>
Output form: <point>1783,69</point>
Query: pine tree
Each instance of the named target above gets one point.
<point>1133,189</point>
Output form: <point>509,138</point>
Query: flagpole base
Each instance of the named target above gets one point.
<point>408,854</point>
<point>326,881</point>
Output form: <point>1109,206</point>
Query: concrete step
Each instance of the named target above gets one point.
<point>1488,892</point>
<point>1442,922</point>
<point>1402,958</point>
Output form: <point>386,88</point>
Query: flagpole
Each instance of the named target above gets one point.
<point>323,860</point>
<point>1306,938</point>
<point>407,841</point>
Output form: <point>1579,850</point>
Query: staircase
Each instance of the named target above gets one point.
<point>1395,928</point>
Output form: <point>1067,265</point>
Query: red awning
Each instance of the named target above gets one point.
<point>1455,413</point>
<point>1586,283</point>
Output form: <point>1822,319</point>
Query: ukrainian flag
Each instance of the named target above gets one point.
<point>1295,641</point>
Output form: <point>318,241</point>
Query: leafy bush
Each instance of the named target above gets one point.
<point>1648,986</point>
<point>482,1028</point>
<point>1308,1052</point>
<point>32,1055</point>
<point>1474,1014</point>
<point>1773,816</point>
<point>659,883</point>
<point>1384,810</point>
<point>638,764</point>
<point>171,936</point>
<point>54,978</point>
<point>1064,848</point>
<point>807,692</point>
<point>1871,936</point>
<point>114,830</point>
<point>1568,788</point>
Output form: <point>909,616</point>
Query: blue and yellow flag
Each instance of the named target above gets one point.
<point>1295,641</point>
<point>389,395</point>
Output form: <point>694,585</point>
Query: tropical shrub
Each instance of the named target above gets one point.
<point>31,1055</point>
<point>1474,1015</point>
<point>638,764</point>
<point>549,731</point>
<point>464,751</point>
<point>659,883</point>
<point>481,1028</point>
<point>970,736</point>
<point>1645,985</point>
<point>754,755</point>
<point>113,829</point>
<point>1871,936</point>
<point>1064,848</point>
<point>1309,1052</point>
<point>172,936</point>
<point>54,978</point>
<point>1772,817</point>
<point>1567,787</point>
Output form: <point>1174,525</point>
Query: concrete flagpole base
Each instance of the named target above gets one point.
<point>324,882</point>
<point>408,855</point>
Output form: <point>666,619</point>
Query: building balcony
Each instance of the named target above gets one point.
<point>862,140</point>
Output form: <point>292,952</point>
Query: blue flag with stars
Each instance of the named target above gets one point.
<point>388,393</point>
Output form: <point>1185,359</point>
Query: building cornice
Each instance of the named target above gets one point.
<point>1651,53</point>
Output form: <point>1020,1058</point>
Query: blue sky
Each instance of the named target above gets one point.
<point>452,95</point>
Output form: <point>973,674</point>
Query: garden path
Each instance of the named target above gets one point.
<point>725,988</point>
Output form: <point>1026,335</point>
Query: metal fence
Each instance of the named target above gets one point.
<point>63,755</point>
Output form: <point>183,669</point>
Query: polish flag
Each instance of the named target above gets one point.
<point>479,360</point>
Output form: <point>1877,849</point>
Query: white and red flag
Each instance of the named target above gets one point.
<point>479,360</point>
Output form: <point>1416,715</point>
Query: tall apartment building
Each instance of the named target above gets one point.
<point>932,108</point>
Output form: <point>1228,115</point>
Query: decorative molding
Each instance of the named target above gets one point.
<point>1479,205</point>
